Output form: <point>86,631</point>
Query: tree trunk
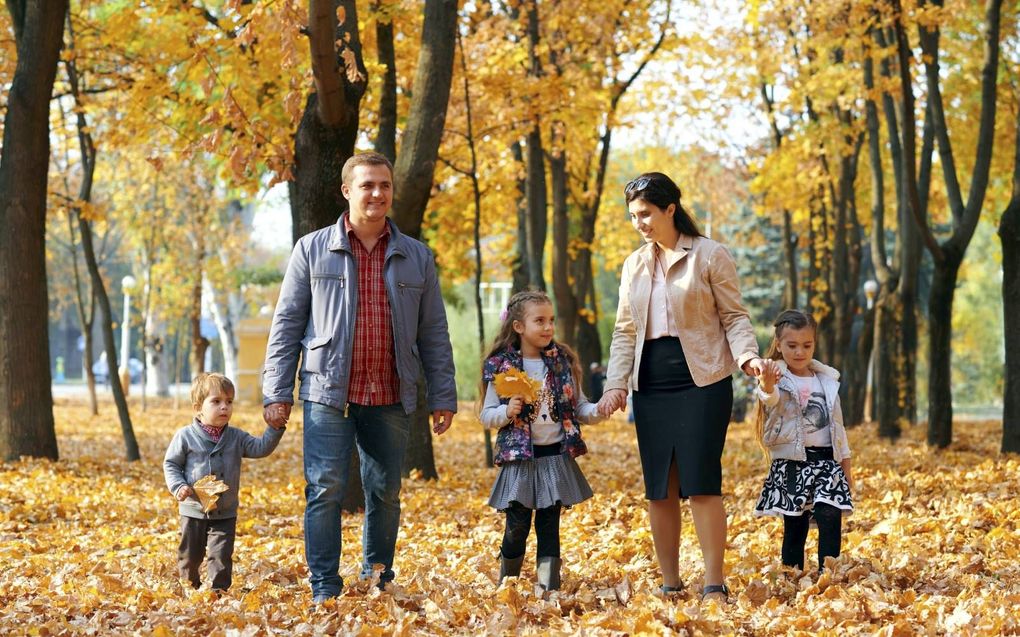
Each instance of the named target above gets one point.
<point>940,326</point>
<point>790,295</point>
<point>419,147</point>
<point>157,372</point>
<point>328,129</point>
<point>537,204</point>
<point>414,172</point>
<point>566,303</point>
<point>319,153</point>
<point>26,401</point>
<point>521,267</point>
<point>890,386</point>
<point>386,137</point>
<point>419,455</point>
<point>225,314</point>
<point>199,343</point>
<point>1009,234</point>
<point>119,397</point>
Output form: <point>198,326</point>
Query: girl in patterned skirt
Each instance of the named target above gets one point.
<point>532,396</point>
<point>799,423</point>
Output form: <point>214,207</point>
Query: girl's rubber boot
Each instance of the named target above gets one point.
<point>509,567</point>
<point>547,572</point>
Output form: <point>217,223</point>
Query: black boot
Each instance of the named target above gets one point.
<point>509,567</point>
<point>547,572</point>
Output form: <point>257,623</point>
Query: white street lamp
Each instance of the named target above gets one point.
<point>126,284</point>
<point>870,291</point>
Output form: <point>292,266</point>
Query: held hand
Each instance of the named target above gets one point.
<point>276,415</point>
<point>612,400</point>
<point>769,377</point>
<point>441,420</point>
<point>514,406</point>
<point>754,367</point>
<point>185,492</point>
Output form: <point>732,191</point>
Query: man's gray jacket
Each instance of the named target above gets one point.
<point>316,313</point>
<point>193,454</point>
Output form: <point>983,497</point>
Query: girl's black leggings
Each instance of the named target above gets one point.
<point>518,525</point>
<point>795,530</point>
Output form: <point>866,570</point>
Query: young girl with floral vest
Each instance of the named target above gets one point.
<point>533,397</point>
<point>799,422</point>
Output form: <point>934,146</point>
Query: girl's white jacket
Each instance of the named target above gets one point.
<point>784,420</point>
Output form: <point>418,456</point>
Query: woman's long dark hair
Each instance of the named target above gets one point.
<point>787,319</point>
<point>660,191</point>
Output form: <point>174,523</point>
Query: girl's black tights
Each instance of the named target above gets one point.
<point>518,525</point>
<point>795,530</point>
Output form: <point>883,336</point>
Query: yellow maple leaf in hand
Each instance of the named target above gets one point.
<point>514,382</point>
<point>208,490</point>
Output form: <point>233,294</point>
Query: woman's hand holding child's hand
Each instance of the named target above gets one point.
<point>612,400</point>
<point>514,406</point>
<point>185,492</point>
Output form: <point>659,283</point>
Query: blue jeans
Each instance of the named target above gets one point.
<point>381,434</point>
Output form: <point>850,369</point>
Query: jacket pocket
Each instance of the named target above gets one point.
<point>329,276</point>
<point>315,352</point>
<point>411,288</point>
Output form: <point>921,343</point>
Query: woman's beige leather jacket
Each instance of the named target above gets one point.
<point>715,328</point>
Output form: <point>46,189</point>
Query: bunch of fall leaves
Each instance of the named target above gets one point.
<point>89,545</point>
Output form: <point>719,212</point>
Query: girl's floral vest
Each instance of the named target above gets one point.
<point>513,441</point>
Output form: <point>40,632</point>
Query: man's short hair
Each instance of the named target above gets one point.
<point>364,159</point>
<point>203,385</point>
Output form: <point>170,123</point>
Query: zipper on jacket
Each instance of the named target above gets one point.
<point>347,408</point>
<point>330,277</point>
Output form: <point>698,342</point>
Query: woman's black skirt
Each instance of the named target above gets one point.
<point>675,418</point>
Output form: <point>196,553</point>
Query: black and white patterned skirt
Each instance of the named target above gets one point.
<point>540,483</point>
<point>793,487</point>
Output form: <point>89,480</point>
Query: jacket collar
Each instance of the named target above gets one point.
<point>815,366</point>
<point>339,241</point>
<point>827,376</point>
<point>684,245</point>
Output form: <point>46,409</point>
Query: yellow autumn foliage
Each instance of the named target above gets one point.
<point>88,546</point>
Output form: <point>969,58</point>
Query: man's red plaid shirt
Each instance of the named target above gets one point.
<point>374,379</point>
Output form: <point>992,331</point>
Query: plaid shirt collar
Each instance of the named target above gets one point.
<point>214,432</point>
<point>349,229</point>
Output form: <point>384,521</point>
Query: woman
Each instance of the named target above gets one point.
<point>682,328</point>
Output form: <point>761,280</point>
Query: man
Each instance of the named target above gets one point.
<point>361,303</point>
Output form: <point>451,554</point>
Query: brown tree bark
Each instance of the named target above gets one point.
<point>419,146</point>
<point>895,319</point>
<point>414,172</point>
<point>1009,234</point>
<point>386,136</point>
<point>521,269</point>
<point>329,126</point>
<point>566,302</point>
<point>26,401</point>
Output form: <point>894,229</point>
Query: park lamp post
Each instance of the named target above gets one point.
<point>870,291</point>
<point>126,284</point>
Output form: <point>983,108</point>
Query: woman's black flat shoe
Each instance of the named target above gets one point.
<point>716,588</point>
<point>671,590</point>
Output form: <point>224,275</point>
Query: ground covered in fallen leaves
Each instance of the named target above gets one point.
<point>87,546</point>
